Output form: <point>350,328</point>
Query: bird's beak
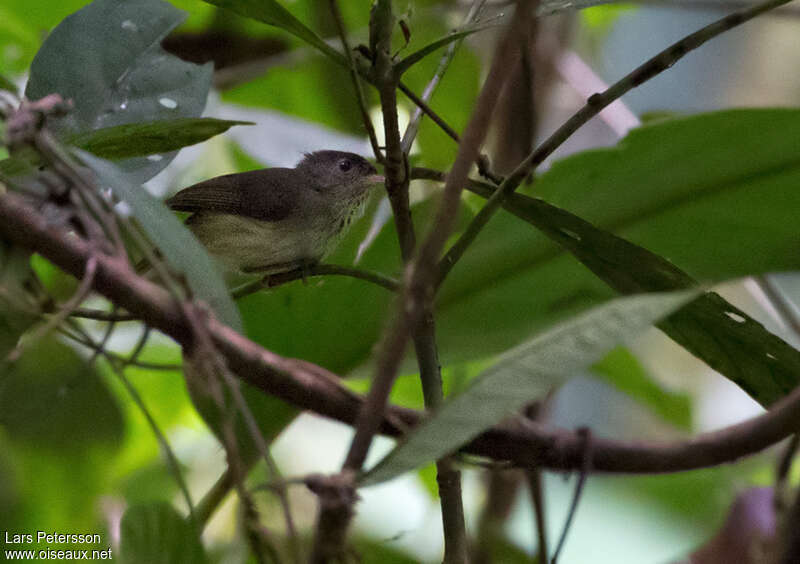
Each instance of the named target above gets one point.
<point>374,179</point>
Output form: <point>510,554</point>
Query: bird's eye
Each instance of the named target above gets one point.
<point>344,165</point>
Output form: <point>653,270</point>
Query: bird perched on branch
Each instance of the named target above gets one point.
<point>279,219</point>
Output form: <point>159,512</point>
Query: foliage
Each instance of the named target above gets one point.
<point>530,305</point>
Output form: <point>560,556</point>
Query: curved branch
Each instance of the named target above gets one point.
<point>311,387</point>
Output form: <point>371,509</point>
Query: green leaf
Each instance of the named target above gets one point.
<point>272,13</point>
<point>522,375</point>
<point>720,334</point>
<point>420,54</point>
<point>52,397</point>
<point>183,252</point>
<point>714,193</point>
<point>108,60</point>
<point>157,534</point>
<point>621,369</point>
<point>141,139</point>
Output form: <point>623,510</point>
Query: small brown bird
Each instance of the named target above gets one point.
<point>279,219</point>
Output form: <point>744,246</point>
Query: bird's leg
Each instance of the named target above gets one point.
<point>280,271</point>
<point>306,265</point>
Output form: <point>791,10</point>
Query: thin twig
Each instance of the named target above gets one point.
<point>273,280</point>
<point>537,497</point>
<point>444,63</point>
<point>140,344</point>
<point>204,373</point>
<point>117,357</point>
<point>428,111</point>
<point>117,367</point>
<point>586,467</point>
<point>83,290</point>
<point>102,315</point>
<point>354,76</point>
<point>263,449</point>
<point>482,161</point>
<point>172,460</point>
<point>594,104</point>
<point>213,498</point>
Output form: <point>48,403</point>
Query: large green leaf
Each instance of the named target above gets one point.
<point>272,13</point>
<point>523,375</point>
<point>715,331</point>
<point>108,60</point>
<point>52,397</point>
<point>714,193</point>
<point>150,138</point>
<point>156,534</point>
<point>130,140</point>
<point>184,253</point>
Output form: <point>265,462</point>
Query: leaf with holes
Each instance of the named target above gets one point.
<point>523,375</point>
<point>715,194</point>
<point>726,338</point>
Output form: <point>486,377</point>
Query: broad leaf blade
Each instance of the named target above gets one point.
<point>108,60</point>
<point>524,374</point>
<point>272,13</point>
<point>157,534</point>
<point>715,193</point>
<point>150,138</point>
<point>715,331</point>
<point>175,241</point>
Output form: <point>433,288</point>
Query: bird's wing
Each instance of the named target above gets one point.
<point>268,195</point>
